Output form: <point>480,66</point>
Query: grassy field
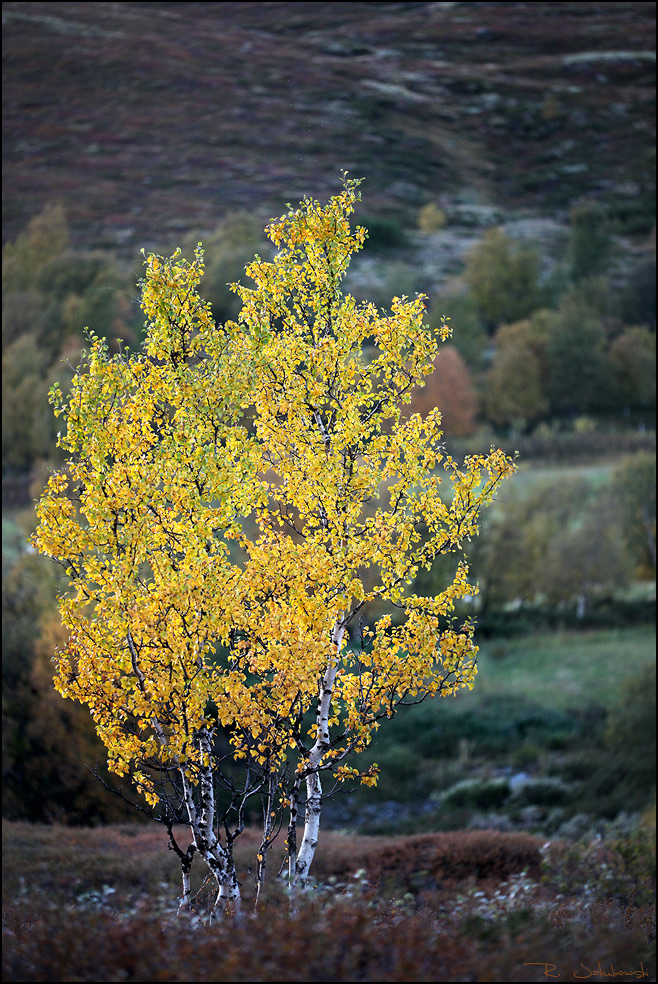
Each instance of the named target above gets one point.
<point>565,669</point>
<point>597,474</point>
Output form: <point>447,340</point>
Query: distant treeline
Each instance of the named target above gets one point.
<point>530,357</point>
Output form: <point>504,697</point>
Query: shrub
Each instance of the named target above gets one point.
<point>545,791</point>
<point>336,942</point>
<point>477,794</point>
<point>618,864</point>
<point>487,919</point>
<point>384,234</point>
<point>399,863</point>
<point>610,784</point>
<point>431,218</point>
<point>492,855</point>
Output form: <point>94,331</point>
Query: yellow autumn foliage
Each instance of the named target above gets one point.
<point>239,497</point>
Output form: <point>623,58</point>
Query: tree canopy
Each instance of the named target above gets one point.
<point>242,515</point>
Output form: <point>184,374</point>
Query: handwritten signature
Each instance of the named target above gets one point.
<point>551,972</point>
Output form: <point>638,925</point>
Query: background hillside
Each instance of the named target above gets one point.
<point>149,120</point>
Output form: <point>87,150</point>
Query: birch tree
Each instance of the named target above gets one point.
<point>355,508</point>
<point>159,470</point>
<point>242,518</point>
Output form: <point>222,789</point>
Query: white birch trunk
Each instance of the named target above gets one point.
<point>266,840</point>
<point>218,858</point>
<point>313,784</point>
<point>291,842</point>
<point>186,896</point>
<point>301,864</point>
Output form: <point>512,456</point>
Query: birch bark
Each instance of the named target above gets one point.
<point>315,760</point>
<point>218,858</point>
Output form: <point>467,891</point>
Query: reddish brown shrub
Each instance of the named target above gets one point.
<point>444,857</point>
<point>485,854</point>
<point>334,943</point>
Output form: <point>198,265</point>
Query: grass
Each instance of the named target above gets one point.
<point>597,475</point>
<point>565,669</point>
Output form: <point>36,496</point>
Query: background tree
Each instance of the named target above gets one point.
<point>431,218</point>
<point>54,778</point>
<point>632,356</point>
<point>634,482</point>
<point>450,388</point>
<point>26,422</point>
<point>49,291</point>
<point>589,241</point>
<point>46,236</point>
<point>586,559</point>
<point>556,543</point>
<point>457,305</point>
<point>503,277</point>
<point>227,250</point>
<point>638,300</point>
<point>517,382</point>
<point>180,620</point>
<point>26,595</point>
<point>580,376</point>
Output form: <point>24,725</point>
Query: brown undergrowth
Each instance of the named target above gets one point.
<point>89,905</point>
